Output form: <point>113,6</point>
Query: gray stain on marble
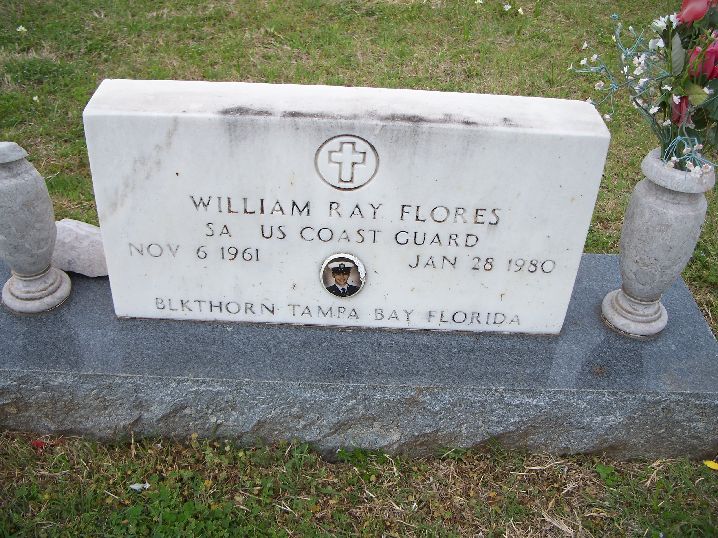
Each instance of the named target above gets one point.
<point>415,119</point>
<point>144,167</point>
<point>244,111</point>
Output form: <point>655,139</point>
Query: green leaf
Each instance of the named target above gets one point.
<point>710,136</point>
<point>700,119</point>
<point>678,55</point>
<point>695,94</point>
<point>711,19</point>
<point>711,104</point>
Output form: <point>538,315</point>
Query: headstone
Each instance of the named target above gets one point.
<point>342,206</point>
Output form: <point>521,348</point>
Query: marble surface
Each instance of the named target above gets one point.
<point>81,370</point>
<point>223,201</point>
<point>78,248</point>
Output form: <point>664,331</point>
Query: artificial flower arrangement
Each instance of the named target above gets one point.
<point>671,75</point>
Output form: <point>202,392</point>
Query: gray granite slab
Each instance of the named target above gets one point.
<point>81,370</point>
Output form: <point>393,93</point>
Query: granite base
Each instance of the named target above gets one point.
<point>80,370</point>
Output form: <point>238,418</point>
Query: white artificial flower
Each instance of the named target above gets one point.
<point>666,123</point>
<point>657,43</point>
<point>653,109</point>
<point>674,159</point>
<point>607,117</point>
<point>630,28</point>
<point>659,24</point>
<point>689,164</point>
<point>666,87</point>
<point>625,69</point>
<point>707,168</point>
<point>21,29</point>
<point>35,98</point>
<point>642,81</point>
<point>696,171</point>
<point>599,85</point>
<point>676,99</point>
<point>638,71</point>
<point>594,57</point>
<point>708,90</point>
<point>479,1</point>
<point>584,46</point>
<point>674,19</point>
<point>507,7</point>
<point>584,61</point>
<point>521,11</point>
<point>698,147</point>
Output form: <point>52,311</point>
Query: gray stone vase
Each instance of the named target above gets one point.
<point>27,236</point>
<point>660,232</point>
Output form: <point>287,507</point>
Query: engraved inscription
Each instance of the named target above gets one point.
<point>243,228</point>
<point>346,162</point>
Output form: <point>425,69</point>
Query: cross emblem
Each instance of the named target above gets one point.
<point>346,162</point>
<point>347,157</point>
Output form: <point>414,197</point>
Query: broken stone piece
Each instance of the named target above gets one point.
<point>79,249</point>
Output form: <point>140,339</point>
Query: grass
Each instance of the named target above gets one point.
<point>70,487</point>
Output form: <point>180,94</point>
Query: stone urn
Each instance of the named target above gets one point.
<point>659,234</point>
<point>27,236</point>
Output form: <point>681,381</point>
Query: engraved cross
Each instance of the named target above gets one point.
<point>346,158</point>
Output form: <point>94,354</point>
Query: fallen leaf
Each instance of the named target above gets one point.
<point>139,487</point>
<point>711,464</point>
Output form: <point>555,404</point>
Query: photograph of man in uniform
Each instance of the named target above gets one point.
<point>340,273</point>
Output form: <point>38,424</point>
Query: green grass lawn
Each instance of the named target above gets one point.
<point>213,488</point>
<point>47,75</point>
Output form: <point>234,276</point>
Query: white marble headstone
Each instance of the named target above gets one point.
<point>258,202</point>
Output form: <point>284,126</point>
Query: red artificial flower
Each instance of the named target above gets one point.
<point>679,112</point>
<point>694,69</point>
<point>694,10</point>
<point>710,62</point>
